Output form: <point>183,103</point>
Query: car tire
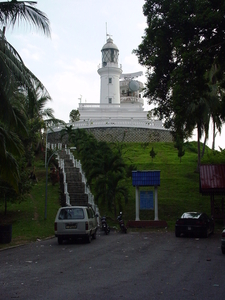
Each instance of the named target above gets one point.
<point>60,240</point>
<point>177,233</point>
<point>88,239</point>
<point>205,233</point>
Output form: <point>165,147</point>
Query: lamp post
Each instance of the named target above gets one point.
<point>46,182</point>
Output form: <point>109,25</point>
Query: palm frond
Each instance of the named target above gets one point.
<point>17,11</point>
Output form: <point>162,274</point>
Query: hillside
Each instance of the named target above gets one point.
<point>178,191</point>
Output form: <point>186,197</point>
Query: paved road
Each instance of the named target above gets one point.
<point>153,265</point>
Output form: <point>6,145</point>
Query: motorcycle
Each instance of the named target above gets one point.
<point>123,228</point>
<point>105,226</point>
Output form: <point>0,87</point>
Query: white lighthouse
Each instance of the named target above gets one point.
<point>120,94</point>
<point>110,73</point>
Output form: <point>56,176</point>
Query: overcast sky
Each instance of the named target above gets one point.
<point>67,62</point>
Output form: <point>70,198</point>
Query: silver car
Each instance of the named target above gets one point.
<point>74,222</point>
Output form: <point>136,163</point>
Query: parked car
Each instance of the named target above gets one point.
<point>74,222</point>
<point>195,223</point>
<point>223,241</point>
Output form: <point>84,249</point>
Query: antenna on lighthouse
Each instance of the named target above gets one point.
<point>107,34</point>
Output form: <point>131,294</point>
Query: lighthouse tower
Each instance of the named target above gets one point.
<point>110,72</point>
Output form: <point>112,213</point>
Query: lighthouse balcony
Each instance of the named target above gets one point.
<point>132,100</point>
<point>109,64</point>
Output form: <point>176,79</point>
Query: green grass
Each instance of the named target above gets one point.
<point>28,216</point>
<point>178,191</point>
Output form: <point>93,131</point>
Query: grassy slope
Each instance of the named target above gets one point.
<point>179,183</point>
<point>27,217</point>
<point>178,191</point>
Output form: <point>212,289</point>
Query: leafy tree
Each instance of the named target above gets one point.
<point>74,115</point>
<point>181,151</point>
<point>182,41</point>
<point>104,169</point>
<point>215,96</point>
<point>152,154</point>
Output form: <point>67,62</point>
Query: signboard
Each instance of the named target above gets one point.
<point>146,200</point>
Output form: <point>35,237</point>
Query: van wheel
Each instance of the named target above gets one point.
<point>60,240</point>
<point>94,235</point>
<point>88,239</point>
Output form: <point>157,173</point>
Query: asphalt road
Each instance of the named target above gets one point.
<point>152,265</point>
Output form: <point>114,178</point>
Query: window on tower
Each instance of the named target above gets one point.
<point>110,100</point>
<point>110,55</point>
<point>110,80</point>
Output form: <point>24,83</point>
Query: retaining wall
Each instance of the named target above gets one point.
<point>126,134</point>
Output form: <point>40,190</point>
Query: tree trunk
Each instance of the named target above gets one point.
<point>214,136</point>
<point>5,204</point>
<point>115,212</point>
<point>203,148</point>
<point>199,148</point>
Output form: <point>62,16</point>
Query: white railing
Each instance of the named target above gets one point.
<point>131,100</point>
<point>76,164</point>
<point>61,166</point>
<point>112,122</point>
<point>112,65</point>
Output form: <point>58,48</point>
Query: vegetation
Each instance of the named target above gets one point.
<point>23,115</point>
<point>152,154</point>
<point>185,61</point>
<point>183,49</point>
<point>104,168</point>
<point>178,191</point>
<point>74,115</point>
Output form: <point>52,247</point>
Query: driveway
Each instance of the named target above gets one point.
<point>151,265</point>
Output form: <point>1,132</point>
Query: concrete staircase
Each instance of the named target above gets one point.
<point>72,181</point>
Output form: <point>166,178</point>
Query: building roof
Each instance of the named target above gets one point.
<point>212,179</point>
<point>109,45</point>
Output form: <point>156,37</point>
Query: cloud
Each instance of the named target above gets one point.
<point>78,66</point>
<point>32,53</point>
<point>66,87</point>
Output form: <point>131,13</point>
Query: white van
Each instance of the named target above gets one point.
<point>74,222</point>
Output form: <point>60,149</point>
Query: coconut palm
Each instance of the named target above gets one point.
<point>15,11</point>
<point>15,81</point>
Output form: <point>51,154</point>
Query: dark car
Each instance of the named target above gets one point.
<point>194,223</point>
<point>223,241</point>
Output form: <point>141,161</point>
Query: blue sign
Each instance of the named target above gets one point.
<point>146,200</point>
<point>146,178</point>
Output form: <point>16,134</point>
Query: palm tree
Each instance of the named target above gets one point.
<point>15,81</point>
<point>215,99</point>
<point>13,11</point>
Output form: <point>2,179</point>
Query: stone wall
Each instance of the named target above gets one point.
<point>126,134</point>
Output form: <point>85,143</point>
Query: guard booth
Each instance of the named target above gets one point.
<point>212,183</point>
<point>144,200</point>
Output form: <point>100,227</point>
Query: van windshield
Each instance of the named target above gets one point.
<point>71,213</point>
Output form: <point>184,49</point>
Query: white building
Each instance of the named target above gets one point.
<point>119,115</point>
<point>120,94</point>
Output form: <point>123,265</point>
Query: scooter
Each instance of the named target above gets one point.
<point>105,226</point>
<point>123,228</point>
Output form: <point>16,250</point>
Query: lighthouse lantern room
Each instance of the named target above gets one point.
<point>110,72</point>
